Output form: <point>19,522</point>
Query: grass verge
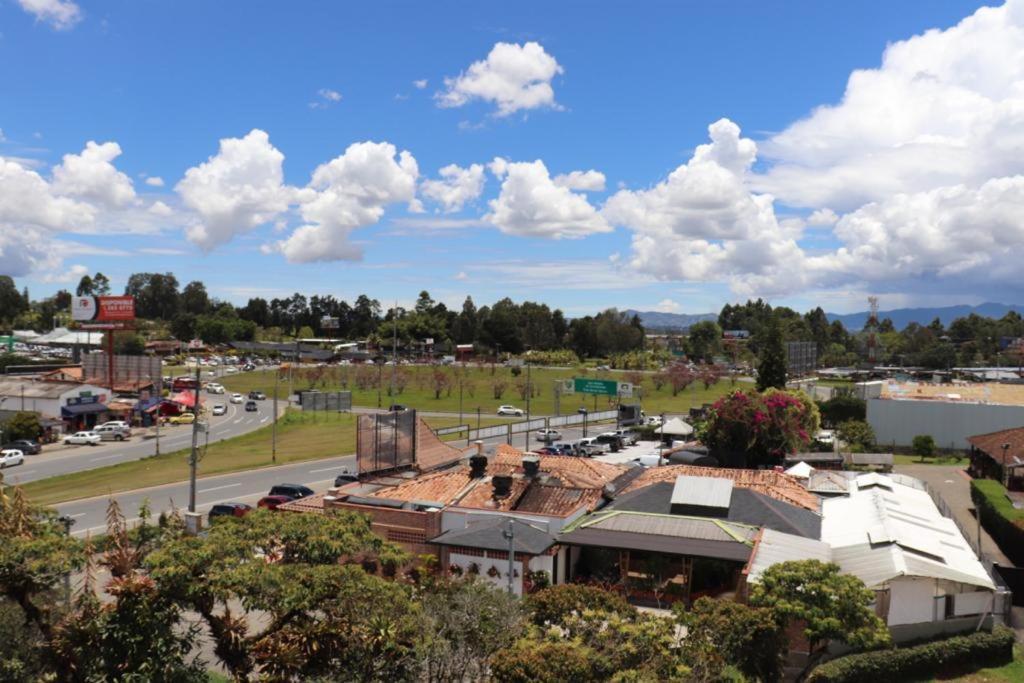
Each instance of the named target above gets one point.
<point>479,388</point>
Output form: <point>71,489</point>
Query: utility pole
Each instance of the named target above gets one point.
<point>193,459</point>
<point>273,429</point>
<point>529,390</point>
<point>394,350</point>
<point>156,413</point>
<point>510,535</point>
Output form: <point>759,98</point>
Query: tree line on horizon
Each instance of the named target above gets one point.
<point>508,327</point>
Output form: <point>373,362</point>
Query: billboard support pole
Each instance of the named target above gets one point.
<point>193,459</point>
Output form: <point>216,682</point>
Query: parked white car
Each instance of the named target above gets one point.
<point>654,421</point>
<point>236,398</point>
<point>510,410</point>
<point>82,438</point>
<point>548,435</point>
<point>11,457</point>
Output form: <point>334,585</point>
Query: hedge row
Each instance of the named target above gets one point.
<point>1004,522</point>
<point>952,655</point>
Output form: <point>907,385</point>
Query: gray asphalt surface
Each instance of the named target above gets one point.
<point>58,459</point>
<point>243,487</point>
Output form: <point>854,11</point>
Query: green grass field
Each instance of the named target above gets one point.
<point>478,389</point>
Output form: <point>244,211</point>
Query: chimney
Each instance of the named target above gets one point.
<point>531,465</point>
<point>477,466</point>
<point>502,485</point>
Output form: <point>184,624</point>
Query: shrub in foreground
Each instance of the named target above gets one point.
<point>957,654</point>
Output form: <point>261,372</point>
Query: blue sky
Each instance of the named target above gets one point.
<point>890,189</point>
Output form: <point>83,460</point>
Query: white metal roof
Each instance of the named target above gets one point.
<point>675,427</point>
<point>775,547</point>
<point>801,470</point>
<point>714,492</point>
<point>889,527</point>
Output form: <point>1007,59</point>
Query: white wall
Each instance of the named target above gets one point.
<point>912,601</point>
<point>949,423</point>
<point>541,563</point>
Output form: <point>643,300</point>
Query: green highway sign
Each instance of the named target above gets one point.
<point>605,387</point>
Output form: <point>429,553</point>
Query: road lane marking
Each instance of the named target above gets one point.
<point>106,457</point>
<point>24,472</point>
<point>218,488</point>
<point>77,515</point>
<point>328,469</point>
<point>264,420</point>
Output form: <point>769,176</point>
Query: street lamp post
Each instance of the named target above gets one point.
<point>529,390</point>
<point>510,536</point>
<point>68,522</point>
<point>193,459</point>
<point>584,423</point>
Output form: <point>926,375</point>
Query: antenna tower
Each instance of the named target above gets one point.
<point>872,329</point>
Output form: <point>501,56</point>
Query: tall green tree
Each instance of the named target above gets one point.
<point>326,612</point>
<point>771,362</point>
<point>704,340</point>
<point>829,605</point>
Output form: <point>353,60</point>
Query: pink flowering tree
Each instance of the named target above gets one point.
<point>758,429</point>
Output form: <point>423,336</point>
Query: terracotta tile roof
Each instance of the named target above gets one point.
<point>571,471</point>
<point>768,482</point>
<point>431,452</point>
<point>314,504</point>
<point>557,501</point>
<point>992,445</point>
<point>437,487</point>
<point>481,496</point>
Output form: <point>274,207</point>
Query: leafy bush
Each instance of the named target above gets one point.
<point>841,408</point>
<point>555,604</point>
<point>764,427</point>
<point>22,426</point>
<point>745,637</point>
<point>960,653</point>
<point>532,662</point>
<point>923,445</point>
<point>1003,521</point>
<point>858,435</point>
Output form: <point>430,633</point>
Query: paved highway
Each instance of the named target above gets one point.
<point>243,487</point>
<point>58,459</point>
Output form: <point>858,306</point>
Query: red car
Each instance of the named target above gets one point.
<point>271,502</point>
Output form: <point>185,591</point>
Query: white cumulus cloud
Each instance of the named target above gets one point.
<point>92,175</point>
<point>703,224</point>
<point>944,107</point>
<point>60,14</point>
<point>420,84</point>
<point>237,189</point>
<point>588,181</point>
<point>513,77</point>
<point>346,193</point>
<point>155,181</point>
<point>456,187</point>
<point>530,204</point>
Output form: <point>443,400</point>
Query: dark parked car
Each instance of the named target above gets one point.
<point>397,408</point>
<point>548,450</point>
<point>251,407</point>
<point>26,446</point>
<point>345,478</point>
<point>293,490</point>
<point>229,510</point>
<point>271,502</point>
<point>257,395</point>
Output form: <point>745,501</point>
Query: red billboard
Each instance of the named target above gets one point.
<point>103,309</point>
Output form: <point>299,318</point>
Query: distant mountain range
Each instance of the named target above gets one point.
<point>653,320</point>
<point>901,317</point>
